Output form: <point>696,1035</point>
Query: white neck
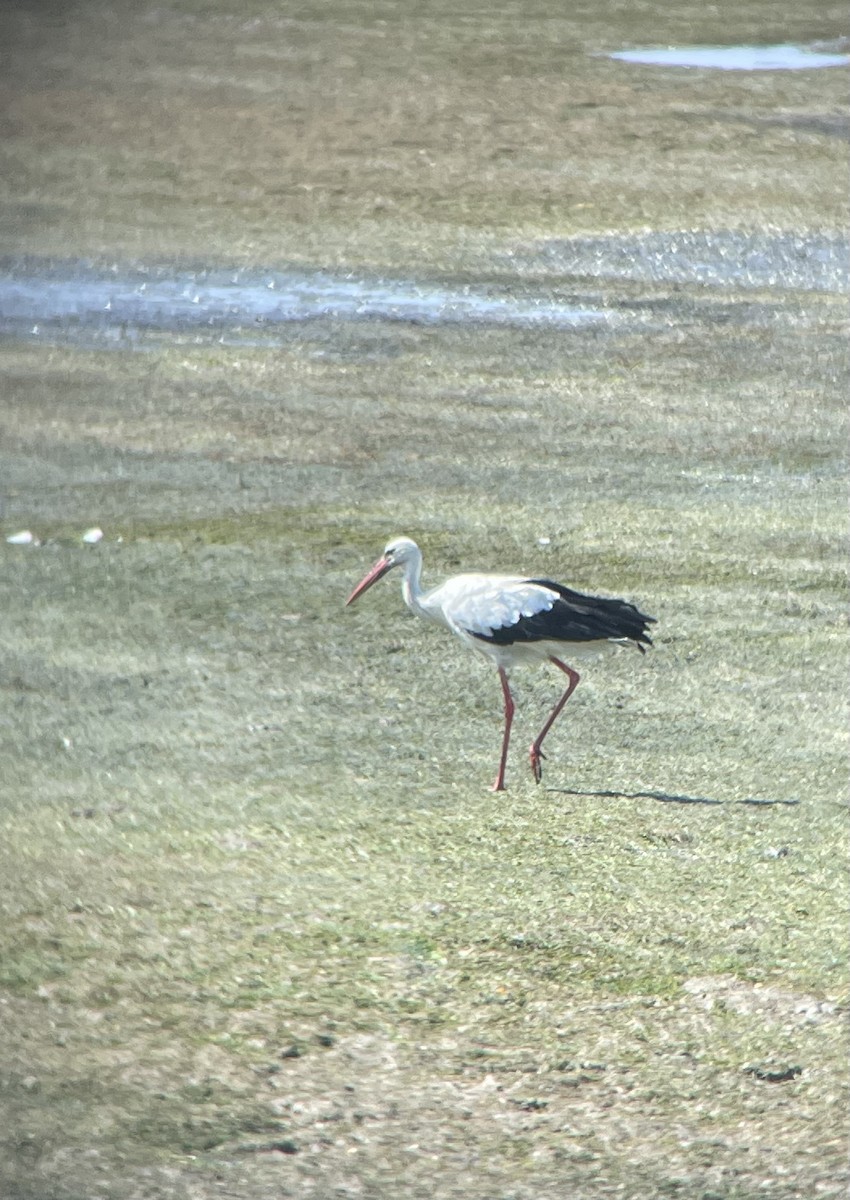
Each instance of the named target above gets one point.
<point>411,588</point>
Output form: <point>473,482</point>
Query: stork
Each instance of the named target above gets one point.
<point>513,619</point>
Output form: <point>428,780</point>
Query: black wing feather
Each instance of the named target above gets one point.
<point>575,617</point>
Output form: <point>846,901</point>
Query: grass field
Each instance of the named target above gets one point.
<point>265,932</point>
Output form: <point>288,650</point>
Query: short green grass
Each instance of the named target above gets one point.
<point>257,892</point>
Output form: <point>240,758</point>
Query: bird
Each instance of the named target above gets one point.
<point>513,619</point>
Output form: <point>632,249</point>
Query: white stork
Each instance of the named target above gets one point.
<point>513,620</point>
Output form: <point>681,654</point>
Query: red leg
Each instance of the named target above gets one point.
<point>499,785</point>
<point>536,754</point>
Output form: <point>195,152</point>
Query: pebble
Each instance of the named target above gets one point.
<point>23,538</point>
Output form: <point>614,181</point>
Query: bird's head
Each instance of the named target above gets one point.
<point>399,551</point>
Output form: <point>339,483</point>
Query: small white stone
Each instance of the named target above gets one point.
<point>544,541</point>
<point>92,536</point>
<point>24,538</point>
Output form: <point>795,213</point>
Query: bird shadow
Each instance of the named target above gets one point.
<point>668,797</point>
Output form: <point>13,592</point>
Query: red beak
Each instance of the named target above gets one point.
<point>377,572</point>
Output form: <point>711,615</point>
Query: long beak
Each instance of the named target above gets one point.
<point>377,572</point>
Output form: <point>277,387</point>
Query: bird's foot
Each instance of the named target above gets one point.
<point>536,755</point>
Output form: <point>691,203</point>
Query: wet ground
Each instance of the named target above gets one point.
<point>76,303</point>
<point>70,302</point>
<point>739,58</point>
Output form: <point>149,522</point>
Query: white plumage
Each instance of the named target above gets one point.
<point>482,603</point>
<point>512,619</point>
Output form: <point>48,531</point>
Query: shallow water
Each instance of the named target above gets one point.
<point>66,298</point>
<point>726,258</point>
<point>735,58</point>
<point>76,302</point>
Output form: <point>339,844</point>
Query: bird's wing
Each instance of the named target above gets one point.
<point>576,617</point>
<point>480,605</point>
<point>504,609</point>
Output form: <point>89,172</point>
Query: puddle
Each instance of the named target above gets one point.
<point>735,58</point>
<point>722,258</point>
<point>240,307</point>
<point>134,307</point>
